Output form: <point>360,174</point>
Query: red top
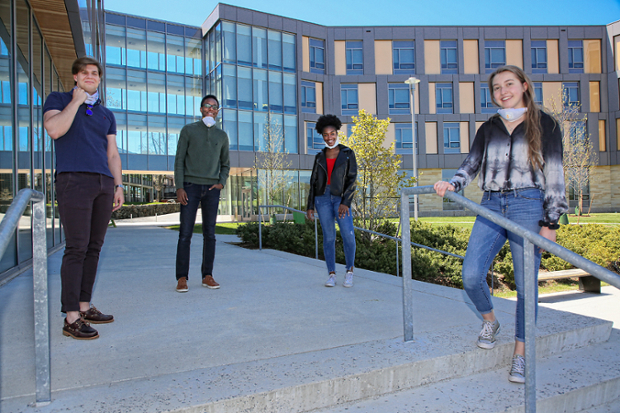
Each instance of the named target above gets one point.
<point>330,168</point>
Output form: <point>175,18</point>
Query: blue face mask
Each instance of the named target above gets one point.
<point>512,115</point>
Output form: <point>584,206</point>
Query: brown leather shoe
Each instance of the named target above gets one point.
<point>80,330</point>
<point>182,285</point>
<point>95,316</point>
<point>209,282</point>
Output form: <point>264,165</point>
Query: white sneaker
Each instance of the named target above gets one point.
<point>331,281</point>
<point>348,279</point>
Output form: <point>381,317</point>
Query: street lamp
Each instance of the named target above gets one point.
<point>412,81</point>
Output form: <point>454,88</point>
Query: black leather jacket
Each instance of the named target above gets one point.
<point>343,177</point>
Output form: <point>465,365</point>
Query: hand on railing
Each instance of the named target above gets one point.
<point>310,214</point>
<point>442,186</point>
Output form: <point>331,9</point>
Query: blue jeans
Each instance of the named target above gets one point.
<point>523,206</point>
<point>326,206</point>
<point>208,201</point>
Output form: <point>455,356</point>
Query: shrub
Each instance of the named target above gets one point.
<point>597,243</point>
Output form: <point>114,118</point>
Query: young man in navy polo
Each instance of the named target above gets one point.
<point>88,188</point>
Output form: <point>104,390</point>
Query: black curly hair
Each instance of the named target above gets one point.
<point>327,120</point>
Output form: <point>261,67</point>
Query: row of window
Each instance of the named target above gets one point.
<point>152,50</point>
<point>250,46</point>
<point>403,56</point>
<point>403,137</point>
<point>399,100</point>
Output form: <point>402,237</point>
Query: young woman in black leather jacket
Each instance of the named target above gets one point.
<point>332,186</point>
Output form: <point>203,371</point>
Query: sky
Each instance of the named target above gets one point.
<point>392,12</point>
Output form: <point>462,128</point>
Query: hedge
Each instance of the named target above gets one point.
<point>598,243</point>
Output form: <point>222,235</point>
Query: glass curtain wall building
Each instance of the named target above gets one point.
<point>30,69</point>
<point>153,84</point>
<point>254,72</point>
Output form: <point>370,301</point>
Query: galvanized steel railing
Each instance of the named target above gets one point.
<point>316,236</point>
<point>530,285</point>
<point>39,268</point>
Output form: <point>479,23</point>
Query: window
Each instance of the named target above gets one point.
<point>403,138</point>
<point>348,95</point>
<point>443,97</point>
<point>575,56</point>
<point>449,205</point>
<point>315,141</point>
<point>308,97</point>
<point>317,56</point>
<point>486,101</point>
<point>538,93</point>
<point>494,54</point>
<point>399,99</point>
<point>449,59</point>
<point>577,131</point>
<point>288,52</point>
<point>570,94</point>
<point>451,137</point>
<point>355,58</point>
<point>403,57</point>
<point>539,56</point>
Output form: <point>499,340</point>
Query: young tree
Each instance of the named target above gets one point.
<point>580,155</point>
<point>272,161</point>
<point>378,179</point>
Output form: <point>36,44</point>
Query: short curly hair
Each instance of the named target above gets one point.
<point>327,120</point>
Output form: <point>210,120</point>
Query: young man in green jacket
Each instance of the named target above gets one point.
<point>201,168</point>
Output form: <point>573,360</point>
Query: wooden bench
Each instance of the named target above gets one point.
<point>587,282</point>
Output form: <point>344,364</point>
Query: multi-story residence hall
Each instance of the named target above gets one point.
<point>267,69</point>
<point>266,66</point>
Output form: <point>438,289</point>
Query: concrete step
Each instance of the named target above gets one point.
<point>583,380</point>
<point>329,377</point>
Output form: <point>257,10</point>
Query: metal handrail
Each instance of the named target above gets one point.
<point>39,269</point>
<point>530,285</point>
<point>316,238</point>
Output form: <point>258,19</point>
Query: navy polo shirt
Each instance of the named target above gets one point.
<point>84,148</point>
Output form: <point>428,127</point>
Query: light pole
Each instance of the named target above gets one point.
<point>412,81</point>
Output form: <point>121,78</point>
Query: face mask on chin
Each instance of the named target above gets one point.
<point>334,145</point>
<point>209,121</point>
<point>512,114</point>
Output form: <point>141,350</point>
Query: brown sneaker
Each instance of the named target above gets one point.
<point>209,282</point>
<point>79,330</point>
<point>182,285</point>
<point>95,316</point>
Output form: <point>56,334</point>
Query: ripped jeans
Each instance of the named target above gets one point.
<point>327,207</point>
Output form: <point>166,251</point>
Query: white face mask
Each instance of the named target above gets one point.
<point>512,114</point>
<point>335,143</point>
<point>209,121</point>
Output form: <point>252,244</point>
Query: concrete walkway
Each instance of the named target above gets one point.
<point>167,350</point>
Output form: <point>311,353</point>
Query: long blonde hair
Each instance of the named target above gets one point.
<point>533,131</point>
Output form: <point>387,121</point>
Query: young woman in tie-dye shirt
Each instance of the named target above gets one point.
<point>518,154</point>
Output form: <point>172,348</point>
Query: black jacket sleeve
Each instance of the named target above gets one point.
<point>350,181</point>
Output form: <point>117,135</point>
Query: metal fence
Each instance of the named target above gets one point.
<point>530,285</point>
<point>316,236</point>
<point>39,268</point>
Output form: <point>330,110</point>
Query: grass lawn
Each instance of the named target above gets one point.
<point>221,228</point>
<point>468,222</point>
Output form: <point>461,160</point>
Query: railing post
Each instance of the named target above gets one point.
<point>407,282</point>
<point>260,229</point>
<point>41,305</point>
<point>530,286</point>
<point>316,238</point>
